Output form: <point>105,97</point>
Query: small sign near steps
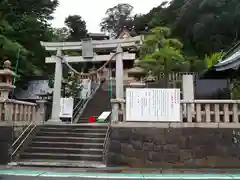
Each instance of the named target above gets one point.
<point>103,117</point>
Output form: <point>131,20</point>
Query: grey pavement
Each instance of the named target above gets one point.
<point>4,177</point>
<point>126,170</point>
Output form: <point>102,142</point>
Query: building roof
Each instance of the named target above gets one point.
<point>125,33</point>
<point>227,66</point>
<point>98,36</point>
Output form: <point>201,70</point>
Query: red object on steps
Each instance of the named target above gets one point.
<point>92,119</point>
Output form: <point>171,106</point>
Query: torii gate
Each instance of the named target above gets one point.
<point>100,44</point>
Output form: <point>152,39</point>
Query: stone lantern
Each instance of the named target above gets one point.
<point>6,80</point>
<point>136,75</point>
<point>150,77</point>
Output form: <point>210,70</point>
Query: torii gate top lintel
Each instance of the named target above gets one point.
<point>97,44</point>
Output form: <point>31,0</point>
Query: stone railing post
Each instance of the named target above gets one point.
<point>118,110</point>
<point>115,111</point>
<point>41,111</point>
<point>8,112</point>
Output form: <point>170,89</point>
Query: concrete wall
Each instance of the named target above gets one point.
<point>6,138</point>
<point>174,147</point>
<point>8,134</point>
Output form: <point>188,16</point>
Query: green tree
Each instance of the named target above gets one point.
<point>61,34</point>
<point>117,18</point>
<point>212,59</point>
<point>77,28</point>
<point>72,87</point>
<point>23,24</point>
<point>160,53</point>
<point>203,26</point>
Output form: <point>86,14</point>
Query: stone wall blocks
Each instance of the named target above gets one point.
<point>115,159</point>
<point>185,155</point>
<point>154,156</point>
<point>135,162</point>
<point>171,157</point>
<point>136,137</point>
<point>128,150</point>
<point>148,146</point>
<point>148,138</point>
<point>174,147</point>
<point>171,148</point>
<point>137,144</point>
<point>115,146</point>
<point>158,148</point>
<point>202,151</point>
<point>114,134</point>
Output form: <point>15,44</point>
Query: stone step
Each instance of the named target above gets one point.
<point>62,156</point>
<point>98,108</point>
<point>85,118</point>
<point>95,112</point>
<point>100,101</point>
<point>60,163</point>
<point>68,139</point>
<point>65,150</point>
<point>103,98</point>
<point>73,134</point>
<point>67,144</point>
<point>77,130</point>
<point>92,112</point>
<point>75,126</point>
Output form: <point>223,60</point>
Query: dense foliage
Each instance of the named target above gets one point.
<point>23,24</point>
<point>205,28</point>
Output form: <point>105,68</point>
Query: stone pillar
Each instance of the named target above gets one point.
<point>137,84</point>
<point>115,111</point>
<point>41,111</point>
<point>57,89</point>
<point>188,91</point>
<point>119,73</point>
<point>188,87</point>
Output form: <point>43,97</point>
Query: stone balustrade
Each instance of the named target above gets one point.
<point>177,76</point>
<point>17,111</point>
<point>212,112</point>
<point>20,113</point>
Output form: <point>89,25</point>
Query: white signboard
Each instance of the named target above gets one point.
<point>66,105</point>
<point>149,104</point>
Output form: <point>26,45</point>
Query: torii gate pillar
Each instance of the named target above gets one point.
<point>119,73</point>
<point>57,89</point>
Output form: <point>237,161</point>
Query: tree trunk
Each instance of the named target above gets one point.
<point>166,74</point>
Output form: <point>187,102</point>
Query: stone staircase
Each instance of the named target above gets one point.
<point>99,103</point>
<point>79,145</point>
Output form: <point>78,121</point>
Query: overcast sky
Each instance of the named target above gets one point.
<point>92,11</point>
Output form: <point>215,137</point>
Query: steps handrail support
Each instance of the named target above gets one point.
<point>106,142</point>
<point>85,102</point>
<point>21,143</point>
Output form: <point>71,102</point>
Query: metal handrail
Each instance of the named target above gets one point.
<point>106,140</point>
<point>78,107</point>
<point>93,92</point>
<point>24,139</point>
<point>22,134</point>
